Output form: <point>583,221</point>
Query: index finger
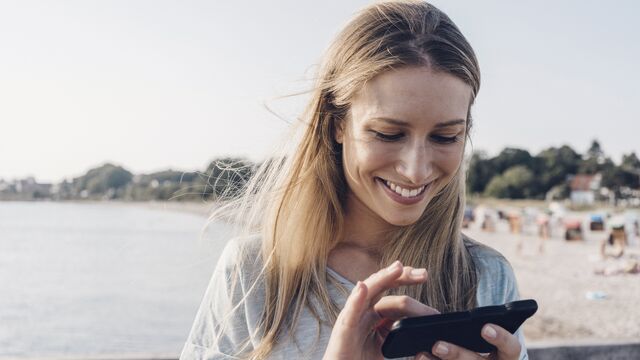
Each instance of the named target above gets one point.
<point>391,277</point>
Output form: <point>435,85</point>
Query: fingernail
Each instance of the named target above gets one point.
<point>393,266</point>
<point>418,273</point>
<point>442,349</point>
<point>490,332</point>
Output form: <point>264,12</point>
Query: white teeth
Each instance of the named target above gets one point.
<point>391,185</point>
<point>404,192</point>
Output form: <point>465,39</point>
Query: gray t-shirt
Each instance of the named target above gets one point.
<point>207,340</point>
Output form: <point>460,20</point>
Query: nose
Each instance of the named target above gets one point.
<point>416,163</point>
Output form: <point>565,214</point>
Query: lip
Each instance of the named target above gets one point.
<point>400,199</point>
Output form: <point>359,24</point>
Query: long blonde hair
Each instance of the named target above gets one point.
<point>296,202</point>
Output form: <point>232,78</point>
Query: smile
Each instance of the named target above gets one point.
<point>403,195</point>
<point>404,192</point>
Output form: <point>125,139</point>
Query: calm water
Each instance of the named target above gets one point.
<point>100,278</point>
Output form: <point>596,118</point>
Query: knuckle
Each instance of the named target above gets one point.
<point>372,277</point>
<point>380,275</point>
<point>404,301</point>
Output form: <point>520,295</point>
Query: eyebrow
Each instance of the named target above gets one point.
<point>406,124</point>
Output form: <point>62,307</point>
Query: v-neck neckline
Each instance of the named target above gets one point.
<point>343,280</point>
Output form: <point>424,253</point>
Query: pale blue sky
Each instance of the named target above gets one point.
<point>157,84</point>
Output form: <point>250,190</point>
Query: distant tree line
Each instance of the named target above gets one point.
<point>515,173</point>
<point>223,178</point>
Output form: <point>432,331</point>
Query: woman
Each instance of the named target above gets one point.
<point>375,181</point>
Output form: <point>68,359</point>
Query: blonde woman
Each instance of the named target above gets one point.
<point>374,181</point>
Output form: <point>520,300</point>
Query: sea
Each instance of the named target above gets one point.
<point>90,279</point>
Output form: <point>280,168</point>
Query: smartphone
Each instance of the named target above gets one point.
<point>418,334</point>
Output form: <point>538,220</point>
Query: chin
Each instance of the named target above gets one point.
<point>403,221</point>
<point>409,217</point>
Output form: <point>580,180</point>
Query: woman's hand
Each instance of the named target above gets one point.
<point>507,344</point>
<point>367,316</point>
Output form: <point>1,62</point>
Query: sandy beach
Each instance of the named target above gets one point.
<point>575,303</point>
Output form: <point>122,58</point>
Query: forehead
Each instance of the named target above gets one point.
<point>417,95</point>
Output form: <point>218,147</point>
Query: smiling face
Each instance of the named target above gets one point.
<point>402,143</point>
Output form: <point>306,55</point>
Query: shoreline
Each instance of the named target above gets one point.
<point>193,207</point>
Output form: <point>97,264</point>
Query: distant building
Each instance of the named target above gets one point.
<point>584,188</point>
<point>24,189</point>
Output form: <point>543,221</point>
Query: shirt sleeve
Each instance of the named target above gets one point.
<point>512,294</point>
<point>220,329</point>
<point>497,285</point>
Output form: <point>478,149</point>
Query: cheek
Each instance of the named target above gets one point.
<point>449,160</point>
<point>361,156</point>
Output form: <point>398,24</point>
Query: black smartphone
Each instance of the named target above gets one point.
<point>418,334</point>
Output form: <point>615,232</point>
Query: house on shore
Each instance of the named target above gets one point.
<point>584,188</point>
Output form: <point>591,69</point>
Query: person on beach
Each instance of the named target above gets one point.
<point>359,225</point>
<point>544,230</point>
<point>618,241</point>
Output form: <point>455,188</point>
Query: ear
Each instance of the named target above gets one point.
<point>339,131</point>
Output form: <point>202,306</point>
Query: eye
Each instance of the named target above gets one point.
<point>388,137</point>
<point>444,139</point>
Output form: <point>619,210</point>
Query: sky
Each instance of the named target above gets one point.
<point>152,85</point>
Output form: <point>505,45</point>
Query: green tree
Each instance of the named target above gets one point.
<point>630,167</point>
<point>169,175</point>
<point>99,180</point>
<point>480,172</point>
<point>510,157</point>
<point>225,178</point>
<point>609,172</point>
<point>595,161</point>
<point>595,150</point>
<point>630,161</point>
<point>555,165</point>
<point>515,183</point>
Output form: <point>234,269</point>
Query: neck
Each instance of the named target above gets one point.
<point>363,228</point>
